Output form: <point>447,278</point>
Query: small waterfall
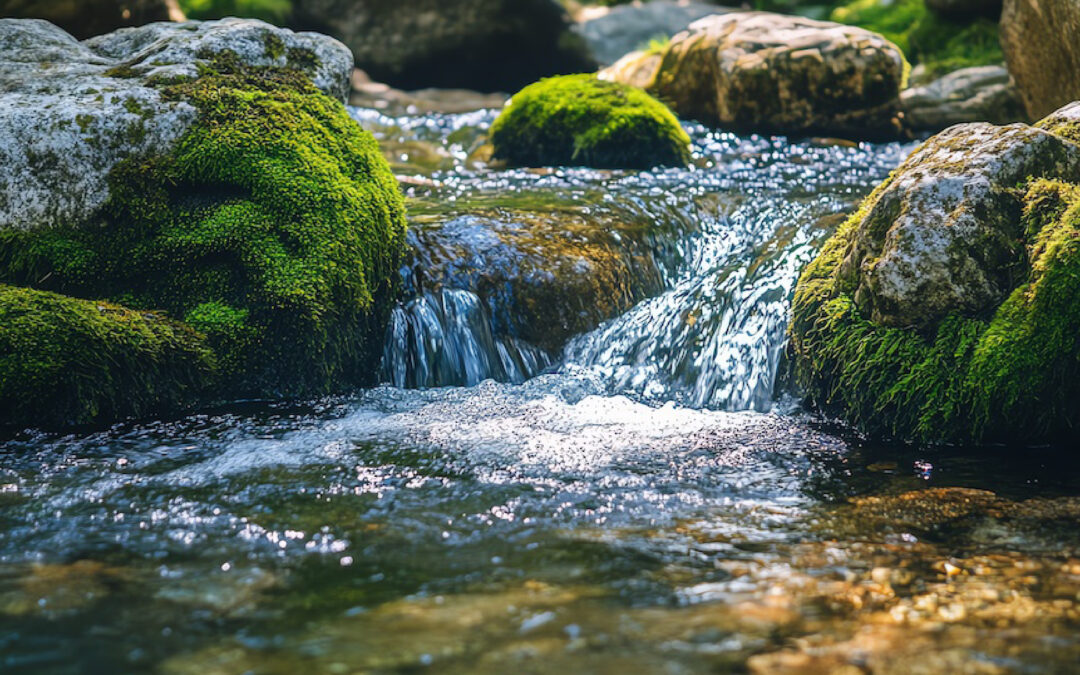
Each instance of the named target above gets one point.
<point>715,338</point>
<point>444,338</point>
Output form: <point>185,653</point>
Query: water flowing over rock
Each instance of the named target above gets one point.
<point>762,72</point>
<point>488,45</point>
<point>629,27</point>
<point>979,94</point>
<point>497,293</point>
<point>85,18</point>
<point>1042,50</point>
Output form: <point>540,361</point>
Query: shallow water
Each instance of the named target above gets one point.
<point>644,505</point>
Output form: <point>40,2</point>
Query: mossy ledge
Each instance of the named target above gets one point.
<point>274,228</point>
<point>1011,375</point>
<point>579,120</point>
<point>67,361</point>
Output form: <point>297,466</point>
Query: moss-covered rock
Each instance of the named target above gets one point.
<point>763,72</point>
<point>581,120</point>
<point>65,361</point>
<point>226,190</point>
<point>945,309</point>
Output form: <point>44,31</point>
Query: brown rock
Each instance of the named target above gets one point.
<point>1041,39</point>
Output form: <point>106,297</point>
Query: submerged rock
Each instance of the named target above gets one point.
<point>85,18</point>
<point>762,72</point>
<point>487,45</point>
<point>944,309</point>
<point>629,27</point>
<point>498,291</point>
<point>583,121</point>
<point>979,94</point>
<point>209,171</point>
<point>1043,51</point>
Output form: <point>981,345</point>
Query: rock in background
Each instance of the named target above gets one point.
<point>630,27</point>
<point>982,94</point>
<point>763,72</point>
<point>487,45</point>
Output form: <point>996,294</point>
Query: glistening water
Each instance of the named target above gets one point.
<point>633,501</point>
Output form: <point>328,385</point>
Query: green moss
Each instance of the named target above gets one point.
<point>67,361</point>
<point>580,120</point>
<point>1011,376</point>
<point>275,226</point>
<point>940,45</point>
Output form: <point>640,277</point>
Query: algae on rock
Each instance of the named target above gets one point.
<point>581,120</point>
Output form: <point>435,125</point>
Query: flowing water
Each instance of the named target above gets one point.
<point>635,499</point>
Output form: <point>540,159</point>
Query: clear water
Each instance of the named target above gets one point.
<point>637,502</point>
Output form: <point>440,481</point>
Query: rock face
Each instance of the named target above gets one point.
<point>207,171</point>
<point>979,94</point>
<point>1042,51</point>
<point>487,45</point>
<point>944,309</point>
<point>630,27</point>
<point>85,18</point>
<point>583,121</point>
<point>762,72</point>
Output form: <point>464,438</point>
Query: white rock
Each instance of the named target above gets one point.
<point>65,122</point>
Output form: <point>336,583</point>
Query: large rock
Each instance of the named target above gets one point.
<point>629,27</point>
<point>762,72</point>
<point>209,171</point>
<point>1042,49</point>
<point>945,308</point>
<point>486,45</point>
<point>979,94</point>
<point>84,18</point>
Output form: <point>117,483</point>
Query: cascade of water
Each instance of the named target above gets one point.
<point>727,239</point>
<point>444,338</point>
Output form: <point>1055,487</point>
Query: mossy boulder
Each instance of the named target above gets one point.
<point>581,120</point>
<point>773,73</point>
<point>65,360</point>
<point>208,171</point>
<point>977,94</point>
<point>1041,40</point>
<point>945,309</point>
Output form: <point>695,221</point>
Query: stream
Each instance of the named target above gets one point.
<point>637,499</point>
